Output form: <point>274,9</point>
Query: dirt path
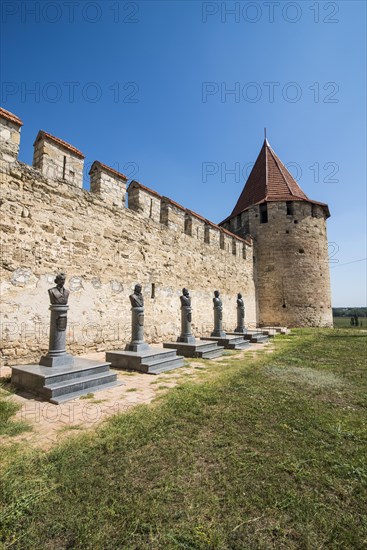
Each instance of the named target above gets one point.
<point>52,423</point>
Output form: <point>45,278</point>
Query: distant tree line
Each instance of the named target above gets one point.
<point>349,311</point>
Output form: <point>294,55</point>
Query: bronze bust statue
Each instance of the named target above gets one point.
<point>137,299</point>
<point>185,298</point>
<point>58,294</point>
<point>216,300</point>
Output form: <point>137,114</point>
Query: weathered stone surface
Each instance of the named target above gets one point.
<point>124,245</point>
<point>291,266</point>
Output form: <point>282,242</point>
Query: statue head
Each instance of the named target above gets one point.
<point>185,292</point>
<point>239,295</point>
<point>216,293</point>
<point>60,279</point>
<point>137,289</point>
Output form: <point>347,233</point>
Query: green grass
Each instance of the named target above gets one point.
<point>344,322</point>
<point>266,453</point>
<point>87,396</point>
<point>9,426</point>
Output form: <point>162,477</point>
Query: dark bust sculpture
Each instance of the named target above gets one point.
<point>216,300</point>
<point>137,299</point>
<point>58,294</point>
<point>240,300</point>
<point>185,298</point>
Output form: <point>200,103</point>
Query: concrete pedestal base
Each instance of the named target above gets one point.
<point>65,360</point>
<point>276,330</point>
<point>229,342</point>
<point>198,349</point>
<point>150,361</point>
<point>137,347</point>
<point>253,336</point>
<point>60,384</point>
<point>187,339</point>
<point>238,331</point>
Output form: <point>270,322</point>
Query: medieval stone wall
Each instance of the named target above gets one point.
<point>50,225</point>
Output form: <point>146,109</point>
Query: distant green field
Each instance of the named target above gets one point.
<point>344,322</point>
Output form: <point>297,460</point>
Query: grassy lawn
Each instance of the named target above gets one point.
<point>268,452</point>
<point>9,426</point>
<point>344,322</point>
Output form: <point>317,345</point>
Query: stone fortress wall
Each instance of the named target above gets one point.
<point>49,223</point>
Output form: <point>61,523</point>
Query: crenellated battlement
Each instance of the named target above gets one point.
<point>58,160</point>
<point>10,126</point>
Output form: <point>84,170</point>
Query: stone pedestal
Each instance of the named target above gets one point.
<point>240,328</point>
<point>60,377</point>
<point>252,336</point>
<point>60,384</point>
<point>186,335</point>
<point>218,331</point>
<point>138,355</point>
<point>234,342</point>
<point>186,343</point>
<point>57,355</point>
<point>197,349</point>
<point>137,331</point>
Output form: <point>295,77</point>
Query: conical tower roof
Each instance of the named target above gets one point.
<point>269,181</point>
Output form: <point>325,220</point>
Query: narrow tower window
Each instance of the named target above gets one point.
<point>207,234</point>
<point>152,291</point>
<point>64,168</point>
<point>290,209</point>
<point>263,213</point>
<point>188,225</point>
<point>221,241</point>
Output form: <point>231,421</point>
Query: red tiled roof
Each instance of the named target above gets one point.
<point>192,213</point>
<point>136,183</point>
<point>234,235</point>
<point>167,199</point>
<point>269,181</point>
<point>108,169</point>
<point>212,224</point>
<point>58,141</point>
<point>9,116</point>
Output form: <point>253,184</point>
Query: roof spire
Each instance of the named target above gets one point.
<point>265,138</point>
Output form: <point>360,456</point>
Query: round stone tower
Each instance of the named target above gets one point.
<point>290,246</point>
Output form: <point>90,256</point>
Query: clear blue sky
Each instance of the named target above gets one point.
<point>142,86</point>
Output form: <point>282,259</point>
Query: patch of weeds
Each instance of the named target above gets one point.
<point>87,396</point>
<point>8,426</point>
<point>132,389</point>
<point>72,427</point>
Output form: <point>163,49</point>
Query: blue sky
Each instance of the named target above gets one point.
<point>146,88</point>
